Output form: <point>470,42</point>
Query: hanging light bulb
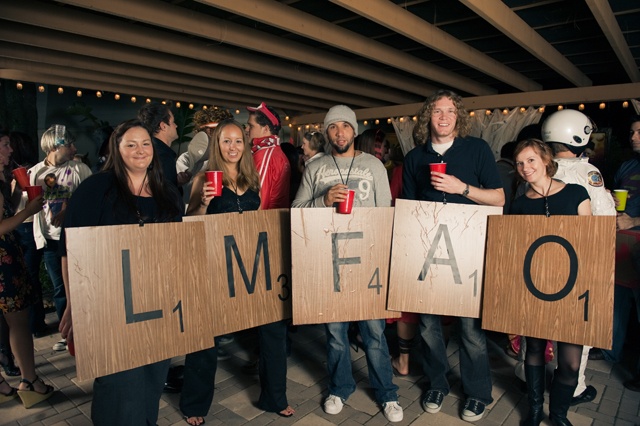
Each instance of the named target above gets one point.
<point>581,107</point>
<point>133,99</point>
<point>116,97</point>
<point>603,105</point>
<point>79,93</point>
<point>19,86</point>
<point>148,100</point>
<point>163,102</point>
<point>306,127</point>
<point>625,104</point>
<point>41,89</point>
<point>286,118</point>
<point>99,94</point>
<point>299,128</point>
<point>541,109</point>
<point>237,111</point>
<point>177,104</point>
<point>60,90</point>
<point>388,120</point>
<point>487,112</point>
<point>523,110</point>
<point>415,118</point>
<point>377,121</point>
<point>190,106</point>
<point>290,125</point>
<point>560,107</point>
<point>401,119</point>
<point>472,114</point>
<point>365,122</point>
<point>505,111</point>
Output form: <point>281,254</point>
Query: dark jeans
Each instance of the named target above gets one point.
<point>32,259</point>
<point>272,366</point>
<point>53,263</point>
<point>475,371</point>
<point>129,398</point>
<point>199,382</point>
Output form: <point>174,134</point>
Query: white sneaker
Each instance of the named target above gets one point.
<point>393,411</point>
<point>60,346</point>
<point>333,404</point>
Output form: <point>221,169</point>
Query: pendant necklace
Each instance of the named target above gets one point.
<point>349,172</point>
<point>140,220</point>
<point>235,191</point>
<point>546,198</point>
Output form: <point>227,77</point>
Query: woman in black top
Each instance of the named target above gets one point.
<point>129,190</point>
<point>535,165</point>
<point>241,185</point>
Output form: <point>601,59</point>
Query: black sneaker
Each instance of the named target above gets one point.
<point>432,401</point>
<point>473,410</point>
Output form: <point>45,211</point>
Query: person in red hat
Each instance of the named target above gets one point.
<point>273,166</point>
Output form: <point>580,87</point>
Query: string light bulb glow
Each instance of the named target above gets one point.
<point>177,104</point>
<point>581,107</point>
<point>116,96</point>
<point>19,86</point>
<point>625,104</point>
<point>560,107</point>
<point>41,89</point>
<point>237,111</point>
<point>603,105</point>
<point>505,111</point>
<point>472,114</point>
<point>377,121</point>
<point>365,122</point>
<point>99,94</point>
<point>133,99</point>
<point>190,106</point>
<point>79,93</point>
<point>541,109</point>
<point>148,100</point>
<point>388,121</point>
<point>522,110</point>
<point>415,118</point>
<point>60,90</point>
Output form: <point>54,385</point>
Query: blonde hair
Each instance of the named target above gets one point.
<point>422,130</point>
<point>248,177</point>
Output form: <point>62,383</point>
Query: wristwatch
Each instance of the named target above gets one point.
<point>466,191</point>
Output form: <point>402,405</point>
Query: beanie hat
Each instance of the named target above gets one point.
<point>341,113</point>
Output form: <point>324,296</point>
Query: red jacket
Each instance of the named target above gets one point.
<point>275,175</point>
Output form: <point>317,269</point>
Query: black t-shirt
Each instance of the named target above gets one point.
<point>564,202</point>
<point>95,203</point>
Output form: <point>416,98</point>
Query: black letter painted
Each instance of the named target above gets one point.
<point>442,231</point>
<point>128,295</point>
<point>573,268</point>
<point>337,261</point>
<point>263,244</point>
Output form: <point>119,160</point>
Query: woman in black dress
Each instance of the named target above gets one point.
<point>129,190</point>
<point>535,165</point>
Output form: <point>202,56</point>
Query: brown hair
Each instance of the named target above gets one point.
<point>422,130</point>
<point>542,149</point>
<point>316,140</point>
<point>248,177</point>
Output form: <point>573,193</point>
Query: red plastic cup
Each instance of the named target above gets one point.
<point>346,206</point>
<point>33,191</point>
<point>215,177</point>
<point>72,347</point>
<point>21,175</point>
<point>438,167</point>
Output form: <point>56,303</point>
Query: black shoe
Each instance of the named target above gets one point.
<point>175,379</point>
<point>7,364</point>
<point>41,331</point>
<point>588,395</point>
<point>596,354</point>
<point>634,384</point>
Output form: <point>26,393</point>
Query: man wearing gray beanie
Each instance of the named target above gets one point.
<point>326,181</point>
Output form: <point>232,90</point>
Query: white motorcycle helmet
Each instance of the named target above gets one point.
<point>568,127</point>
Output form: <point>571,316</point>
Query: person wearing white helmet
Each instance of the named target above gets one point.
<point>568,132</point>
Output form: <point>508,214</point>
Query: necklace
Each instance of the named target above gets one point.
<point>140,219</point>
<point>546,198</point>
<point>349,172</point>
<point>235,191</point>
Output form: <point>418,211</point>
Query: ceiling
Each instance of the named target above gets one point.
<point>381,57</point>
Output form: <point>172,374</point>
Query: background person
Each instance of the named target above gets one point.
<point>546,196</point>
<point>130,190</point>
<point>59,176</point>
<point>16,293</point>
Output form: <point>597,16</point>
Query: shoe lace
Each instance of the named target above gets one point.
<point>473,405</point>
<point>392,406</point>
<point>434,396</point>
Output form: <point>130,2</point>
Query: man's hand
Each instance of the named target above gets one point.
<point>624,221</point>
<point>66,325</point>
<point>336,194</point>
<point>447,183</point>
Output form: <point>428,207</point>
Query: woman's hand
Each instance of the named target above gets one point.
<point>66,324</point>
<point>34,206</point>
<point>207,193</point>
<point>624,221</point>
<point>336,194</point>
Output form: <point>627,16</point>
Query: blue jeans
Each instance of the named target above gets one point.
<point>623,299</point>
<point>341,381</point>
<point>474,358</point>
<point>53,263</point>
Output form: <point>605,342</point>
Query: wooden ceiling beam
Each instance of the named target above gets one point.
<point>287,18</point>
<point>64,19</point>
<point>575,95</point>
<point>401,21</point>
<point>508,22</point>
<point>604,16</point>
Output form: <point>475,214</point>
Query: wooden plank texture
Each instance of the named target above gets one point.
<point>340,264</point>
<point>137,295</point>
<point>248,266</point>
<point>437,259</point>
<point>551,278</point>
